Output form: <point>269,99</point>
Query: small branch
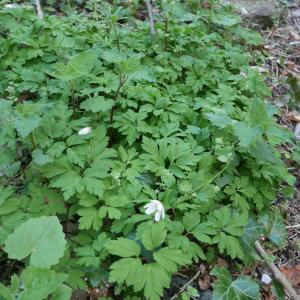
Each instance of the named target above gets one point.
<point>278,275</point>
<point>39,11</point>
<point>150,13</point>
<point>187,284</point>
<point>293,226</point>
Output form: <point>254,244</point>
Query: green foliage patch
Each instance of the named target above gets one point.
<point>99,117</point>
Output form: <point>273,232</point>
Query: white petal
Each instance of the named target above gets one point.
<point>150,208</point>
<point>85,130</point>
<point>157,216</point>
<point>266,279</point>
<point>163,213</point>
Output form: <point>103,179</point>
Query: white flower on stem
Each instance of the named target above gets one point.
<point>155,206</point>
<point>85,130</point>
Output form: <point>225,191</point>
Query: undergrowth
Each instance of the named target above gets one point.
<point>99,118</point>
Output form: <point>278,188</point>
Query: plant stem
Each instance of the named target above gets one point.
<point>150,13</point>
<point>117,36</point>
<point>166,35</point>
<point>189,194</point>
<point>32,137</point>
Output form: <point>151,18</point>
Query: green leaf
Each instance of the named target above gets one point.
<point>89,218</point>
<point>191,220</point>
<point>246,134</point>
<point>219,120</point>
<point>123,247</point>
<point>25,126</point>
<point>69,182</point>
<point>275,228</point>
<point>154,236</point>
<point>78,66</point>
<point>226,20</point>
<point>127,270</point>
<point>40,158</point>
<point>41,238</point>
<point>63,292</point>
<point>5,293</point>
<point>40,283</point>
<point>97,104</point>
<point>170,258</point>
<point>155,280</point>
<point>243,288</point>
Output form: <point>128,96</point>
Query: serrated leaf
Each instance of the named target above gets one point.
<point>97,104</point>
<point>69,182</point>
<point>123,247</point>
<point>40,158</point>
<point>155,280</point>
<point>41,238</point>
<point>126,270</point>
<point>39,283</point>
<point>170,258</point>
<point>154,236</point>
<point>191,220</point>
<point>25,126</point>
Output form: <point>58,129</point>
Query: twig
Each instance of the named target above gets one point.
<point>39,11</point>
<point>150,13</point>
<point>187,284</point>
<point>293,226</point>
<point>278,275</point>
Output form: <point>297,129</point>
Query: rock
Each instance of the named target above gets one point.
<point>206,295</point>
<point>260,12</point>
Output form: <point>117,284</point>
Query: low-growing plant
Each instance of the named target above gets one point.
<point>151,150</point>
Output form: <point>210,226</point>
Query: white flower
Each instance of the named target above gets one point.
<point>157,207</point>
<point>85,130</point>
<point>266,279</point>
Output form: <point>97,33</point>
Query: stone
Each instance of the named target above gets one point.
<point>259,12</point>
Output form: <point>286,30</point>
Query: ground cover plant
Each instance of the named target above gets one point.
<point>126,156</point>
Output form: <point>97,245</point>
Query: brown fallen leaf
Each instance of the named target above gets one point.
<point>292,274</point>
<point>222,263</point>
<point>204,282</point>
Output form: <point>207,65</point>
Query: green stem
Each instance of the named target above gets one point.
<point>33,140</point>
<point>190,195</point>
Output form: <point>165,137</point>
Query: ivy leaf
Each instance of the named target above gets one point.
<point>243,288</point>
<point>123,247</point>
<point>40,283</point>
<point>252,232</point>
<point>154,236</point>
<point>41,238</point>
<point>170,258</point>
<point>97,104</point>
<point>274,226</point>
